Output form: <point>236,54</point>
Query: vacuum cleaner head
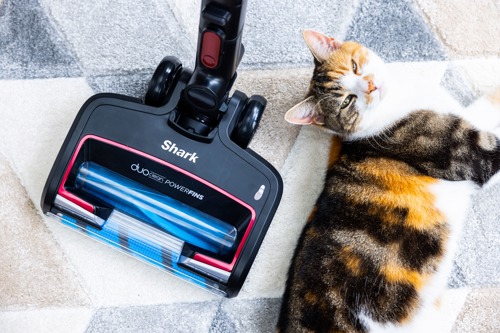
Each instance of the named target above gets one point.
<point>170,179</point>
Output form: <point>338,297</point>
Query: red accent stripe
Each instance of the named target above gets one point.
<point>62,189</point>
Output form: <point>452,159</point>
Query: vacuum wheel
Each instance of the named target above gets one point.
<point>248,121</point>
<point>162,81</point>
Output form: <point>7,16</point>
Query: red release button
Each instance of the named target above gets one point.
<point>210,49</point>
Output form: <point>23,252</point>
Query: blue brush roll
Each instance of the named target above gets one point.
<point>161,211</point>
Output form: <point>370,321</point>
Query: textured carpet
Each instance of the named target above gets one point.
<point>56,54</point>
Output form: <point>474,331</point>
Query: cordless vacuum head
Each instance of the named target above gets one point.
<point>170,179</point>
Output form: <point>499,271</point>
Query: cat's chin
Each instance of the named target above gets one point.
<point>382,91</point>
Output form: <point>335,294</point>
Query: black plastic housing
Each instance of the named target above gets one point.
<point>221,162</point>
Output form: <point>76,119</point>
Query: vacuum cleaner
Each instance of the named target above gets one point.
<point>169,178</point>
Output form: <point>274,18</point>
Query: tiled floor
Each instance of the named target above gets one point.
<point>54,55</point>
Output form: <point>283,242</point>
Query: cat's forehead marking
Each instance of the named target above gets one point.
<point>351,51</point>
<point>340,63</point>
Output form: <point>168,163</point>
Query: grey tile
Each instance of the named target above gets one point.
<point>30,47</point>
<point>480,312</point>
<point>181,318</point>
<point>246,316</point>
<point>273,33</point>
<point>112,37</point>
<point>457,278</point>
<point>395,30</point>
<point>458,86</point>
<point>478,256</point>
<point>130,84</point>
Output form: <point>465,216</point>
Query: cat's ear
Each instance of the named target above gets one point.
<point>321,45</point>
<point>304,113</point>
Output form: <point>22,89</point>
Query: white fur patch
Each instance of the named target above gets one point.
<point>400,92</point>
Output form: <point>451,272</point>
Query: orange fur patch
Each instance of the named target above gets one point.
<point>312,213</point>
<point>357,51</point>
<point>310,298</point>
<point>352,260</point>
<point>341,60</point>
<point>397,274</point>
<point>395,187</point>
<point>335,146</point>
<point>369,79</point>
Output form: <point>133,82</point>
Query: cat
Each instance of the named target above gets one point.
<point>376,251</point>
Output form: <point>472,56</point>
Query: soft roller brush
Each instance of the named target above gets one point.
<point>172,216</point>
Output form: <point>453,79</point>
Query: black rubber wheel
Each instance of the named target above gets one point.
<point>162,81</point>
<point>248,121</point>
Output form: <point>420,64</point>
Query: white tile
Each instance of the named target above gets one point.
<point>34,271</point>
<point>46,320</point>
<point>35,118</point>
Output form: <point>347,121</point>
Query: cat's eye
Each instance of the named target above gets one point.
<point>346,101</point>
<point>354,67</point>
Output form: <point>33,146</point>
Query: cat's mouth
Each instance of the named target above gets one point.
<point>382,88</point>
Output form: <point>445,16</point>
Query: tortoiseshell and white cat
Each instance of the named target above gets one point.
<point>377,250</point>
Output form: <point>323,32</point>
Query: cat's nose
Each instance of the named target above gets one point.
<point>371,87</point>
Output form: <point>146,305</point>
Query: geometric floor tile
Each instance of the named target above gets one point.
<point>480,313</point>
<point>34,272</point>
<point>395,31</point>
<point>30,47</point>
<point>34,128</point>
<point>282,89</point>
<point>457,85</point>
<point>247,316</point>
<point>466,28</point>
<point>267,46</point>
<point>112,37</point>
<point>451,304</point>
<point>175,318</point>
<point>46,320</point>
<point>130,84</point>
<point>480,238</point>
<point>54,280</point>
<point>483,74</point>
